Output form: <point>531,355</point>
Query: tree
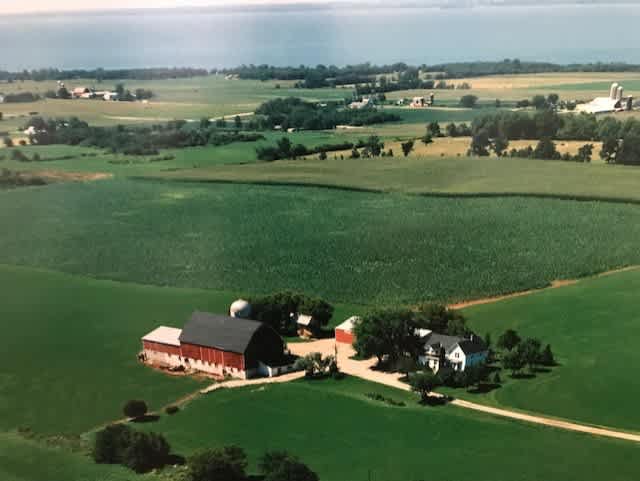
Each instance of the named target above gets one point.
<point>440,318</point>
<point>423,383</point>
<point>205,123</point>
<point>498,103</point>
<point>452,130</point>
<point>145,451</point>
<point>480,144</point>
<point>63,93</point>
<point>407,147</point>
<point>434,129</point>
<point>514,361</point>
<point>427,139</point>
<point>499,145</point>
<point>224,464</point>
<point>120,91</point>
<point>530,351</point>
<point>546,150</point>
<point>221,123</point>
<point>495,378</point>
<point>552,99</point>
<point>237,122</point>
<point>8,142</point>
<point>291,469</point>
<point>546,357</point>
<point>110,443</point>
<point>135,409</point>
<point>1,116</point>
<point>387,332</point>
<point>584,153</point>
<point>355,154</point>
<point>539,102</point>
<point>468,101</point>
<point>322,155</point>
<point>508,340</point>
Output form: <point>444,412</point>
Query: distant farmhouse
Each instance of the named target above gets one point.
<point>362,104</point>
<point>421,102</point>
<point>615,102</point>
<point>219,345</point>
<point>440,351</point>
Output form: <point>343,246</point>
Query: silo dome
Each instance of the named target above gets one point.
<point>240,308</point>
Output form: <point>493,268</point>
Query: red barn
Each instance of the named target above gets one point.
<point>220,345</point>
<point>344,332</point>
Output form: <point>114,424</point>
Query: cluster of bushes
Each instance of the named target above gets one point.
<point>279,310</point>
<point>545,149</point>
<point>284,149</point>
<point>315,366</point>
<point>296,113</point>
<point>21,97</point>
<point>229,463</point>
<point>139,451</point>
<point>518,353</point>
<point>132,140</point>
<point>387,400</point>
<point>10,178</point>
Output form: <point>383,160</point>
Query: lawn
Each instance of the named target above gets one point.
<point>592,327</point>
<point>68,331</point>
<point>434,172</point>
<point>352,247</point>
<point>342,435</point>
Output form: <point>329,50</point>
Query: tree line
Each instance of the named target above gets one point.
<point>293,112</point>
<point>100,74</point>
<point>134,140</point>
<point>620,138</point>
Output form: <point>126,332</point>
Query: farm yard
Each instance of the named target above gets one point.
<point>88,267</point>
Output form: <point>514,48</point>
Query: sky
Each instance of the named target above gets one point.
<point>40,6</point>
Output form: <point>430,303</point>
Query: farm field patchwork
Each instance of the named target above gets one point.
<point>592,327</point>
<point>87,333</point>
<point>323,420</point>
<point>354,247</point>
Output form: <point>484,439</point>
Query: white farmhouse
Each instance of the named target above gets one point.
<point>457,352</point>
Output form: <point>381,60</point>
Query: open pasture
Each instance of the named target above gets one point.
<point>591,326</point>
<point>366,248</point>
<point>325,421</point>
<point>437,174</point>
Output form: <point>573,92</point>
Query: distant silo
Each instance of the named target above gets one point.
<point>613,91</point>
<point>619,92</point>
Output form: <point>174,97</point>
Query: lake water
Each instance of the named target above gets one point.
<point>336,35</point>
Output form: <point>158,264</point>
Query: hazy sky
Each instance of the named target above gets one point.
<point>21,6</point>
<point>28,6</point>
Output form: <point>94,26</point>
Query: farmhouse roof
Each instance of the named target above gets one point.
<point>226,333</point>
<point>305,320</point>
<point>164,335</point>
<point>473,345</point>
<point>436,341</point>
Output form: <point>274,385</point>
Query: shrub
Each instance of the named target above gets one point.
<point>139,451</point>
<point>135,408</point>
<point>171,409</point>
<point>224,464</point>
<point>8,142</point>
<point>282,466</point>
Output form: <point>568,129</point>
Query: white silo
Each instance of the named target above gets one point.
<point>619,92</point>
<point>241,309</point>
<point>613,91</point>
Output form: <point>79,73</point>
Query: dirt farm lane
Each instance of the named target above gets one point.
<point>363,370</point>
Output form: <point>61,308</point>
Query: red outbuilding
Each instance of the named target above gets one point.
<point>344,332</point>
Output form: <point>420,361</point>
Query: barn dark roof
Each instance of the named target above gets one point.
<point>221,332</point>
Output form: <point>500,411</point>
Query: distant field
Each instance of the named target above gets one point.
<point>434,174</point>
<point>175,99</point>
<point>364,248</point>
<point>591,326</point>
<point>325,421</point>
<point>74,343</point>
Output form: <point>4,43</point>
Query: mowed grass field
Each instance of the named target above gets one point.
<point>342,435</point>
<point>71,359</point>
<point>593,327</point>
<point>28,460</point>
<point>354,247</point>
<point>439,174</point>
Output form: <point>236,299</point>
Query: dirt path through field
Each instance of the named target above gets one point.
<point>363,370</point>
<point>554,285</point>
